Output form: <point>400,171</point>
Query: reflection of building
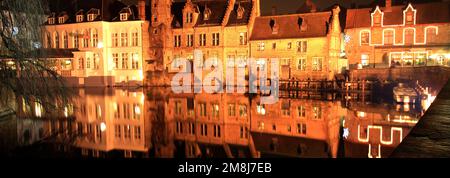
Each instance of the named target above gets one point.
<point>311,126</point>
<point>97,43</point>
<point>398,35</point>
<point>374,131</point>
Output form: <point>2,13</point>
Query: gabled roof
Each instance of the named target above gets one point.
<point>218,9</point>
<point>288,26</point>
<point>427,13</point>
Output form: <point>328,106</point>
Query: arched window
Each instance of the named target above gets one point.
<point>85,38</point>
<point>65,40</point>
<point>409,36</point>
<point>56,40</point>
<point>76,43</point>
<point>94,37</point>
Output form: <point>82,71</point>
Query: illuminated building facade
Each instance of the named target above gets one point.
<point>398,35</point>
<point>97,43</point>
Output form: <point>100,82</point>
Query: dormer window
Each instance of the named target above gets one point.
<point>240,12</point>
<point>302,24</point>
<point>79,18</point>
<point>409,15</point>
<point>90,17</point>
<point>189,17</point>
<point>123,16</point>
<point>377,17</point>
<point>206,14</point>
<point>51,20</point>
<point>61,20</point>
<point>274,26</point>
<point>409,18</point>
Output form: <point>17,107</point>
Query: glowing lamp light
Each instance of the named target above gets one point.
<point>100,45</point>
<point>137,110</point>
<point>346,133</point>
<point>102,126</point>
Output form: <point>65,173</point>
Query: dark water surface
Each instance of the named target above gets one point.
<point>155,122</point>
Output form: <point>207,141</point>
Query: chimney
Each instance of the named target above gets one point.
<point>274,10</point>
<point>141,9</point>
<point>311,6</point>
<point>388,6</point>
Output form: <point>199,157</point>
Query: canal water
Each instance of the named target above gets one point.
<point>157,123</point>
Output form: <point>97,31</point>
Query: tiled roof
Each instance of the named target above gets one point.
<point>218,9</point>
<point>247,6</point>
<point>435,12</point>
<point>109,9</point>
<point>289,26</point>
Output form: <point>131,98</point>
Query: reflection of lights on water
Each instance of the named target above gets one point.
<point>406,107</point>
<point>361,114</point>
<point>346,133</point>
<point>137,110</point>
<point>102,126</point>
<point>100,45</point>
<point>261,110</point>
<point>66,112</point>
<point>38,109</point>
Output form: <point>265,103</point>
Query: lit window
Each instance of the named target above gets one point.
<point>56,40</point>
<point>65,40</point>
<point>135,38</point>
<point>317,111</point>
<point>79,18</point>
<point>124,60</point>
<point>243,38</point>
<point>123,39</point>
<point>388,37</point>
<point>123,16</point>
<point>364,60</point>
<point>115,39</point>
<point>289,45</point>
<point>317,63</point>
<point>364,38</point>
<point>202,40</point>
<point>177,40</point>
<point>51,20</point>
<point>116,60</point>
<point>215,39</point>
<point>240,12</point>
<point>61,20</point>
<point>301,64</point>
<point>94,38</point>
<point>91,17</point>
<point>242,110</point>
<point>190,40</point>
<point>301,111</point>
<point>261,46</point>
<point>189,17</point>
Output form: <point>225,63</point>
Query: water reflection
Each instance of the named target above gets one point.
<point>154,122</point>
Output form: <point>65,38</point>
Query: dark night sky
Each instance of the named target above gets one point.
<point>290,6</point>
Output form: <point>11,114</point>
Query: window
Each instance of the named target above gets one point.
<point>301,111</point>
<point>65,40</point>
<point>190,40</point>
<point>388,37</point>
<point>216,39</point>
<point>116,111</point>
<point>377,19</point>
<point>364,38</point>
<point>96,61</point>
<point>75,40</point>
<point>94,38</point>
<point>192,128</point>
<point>115,40</point>
<point>126,110</point>
<point>206,14</point>
<point>135,61</point>
<point>365,60</point>
<point>409,18</point>
<point>179,127</point>
<point>286,108</point>
<point>124,60</point>
<point>61,20</point>
<point>409,36</point>
<point>85,39</point>
<point>261,109</point>
<point>135,38</point>
<point>177,40</point>
<point>243,38</point>
<point>51,20</point>
<point>123,16</point>
<point>203,130</point>
<point>178,109</point>
<point>285,62</point>
<point>215,110</point>
<point>137,132</point>
<point>301,64</point>
<point>289,45</point>
<point>431,35</point>
<point>231,110</point>
<point>88,63</point>
<point>136,111</point>
<point>79,18</point>
<point>56,40</point>
<point>243,132</point>
<point>274,45</point>
<point>302,46</point>
<point>81,63</point>
<point>202,40</point>
<point>90,17</point>
<point>301,128</point>
<point>317,111</point>
<point>202,109</point>
<point>123,39</point>
<point>261,46</point>
<point>240,12</point>
<point>49,41</point>
<point>189,17</point>
<point>317,63</point>
<point>242,110</point>
<point>127,130</point>
<point>116,60</point>
<point>117,131</point>
<point>217,131</point>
